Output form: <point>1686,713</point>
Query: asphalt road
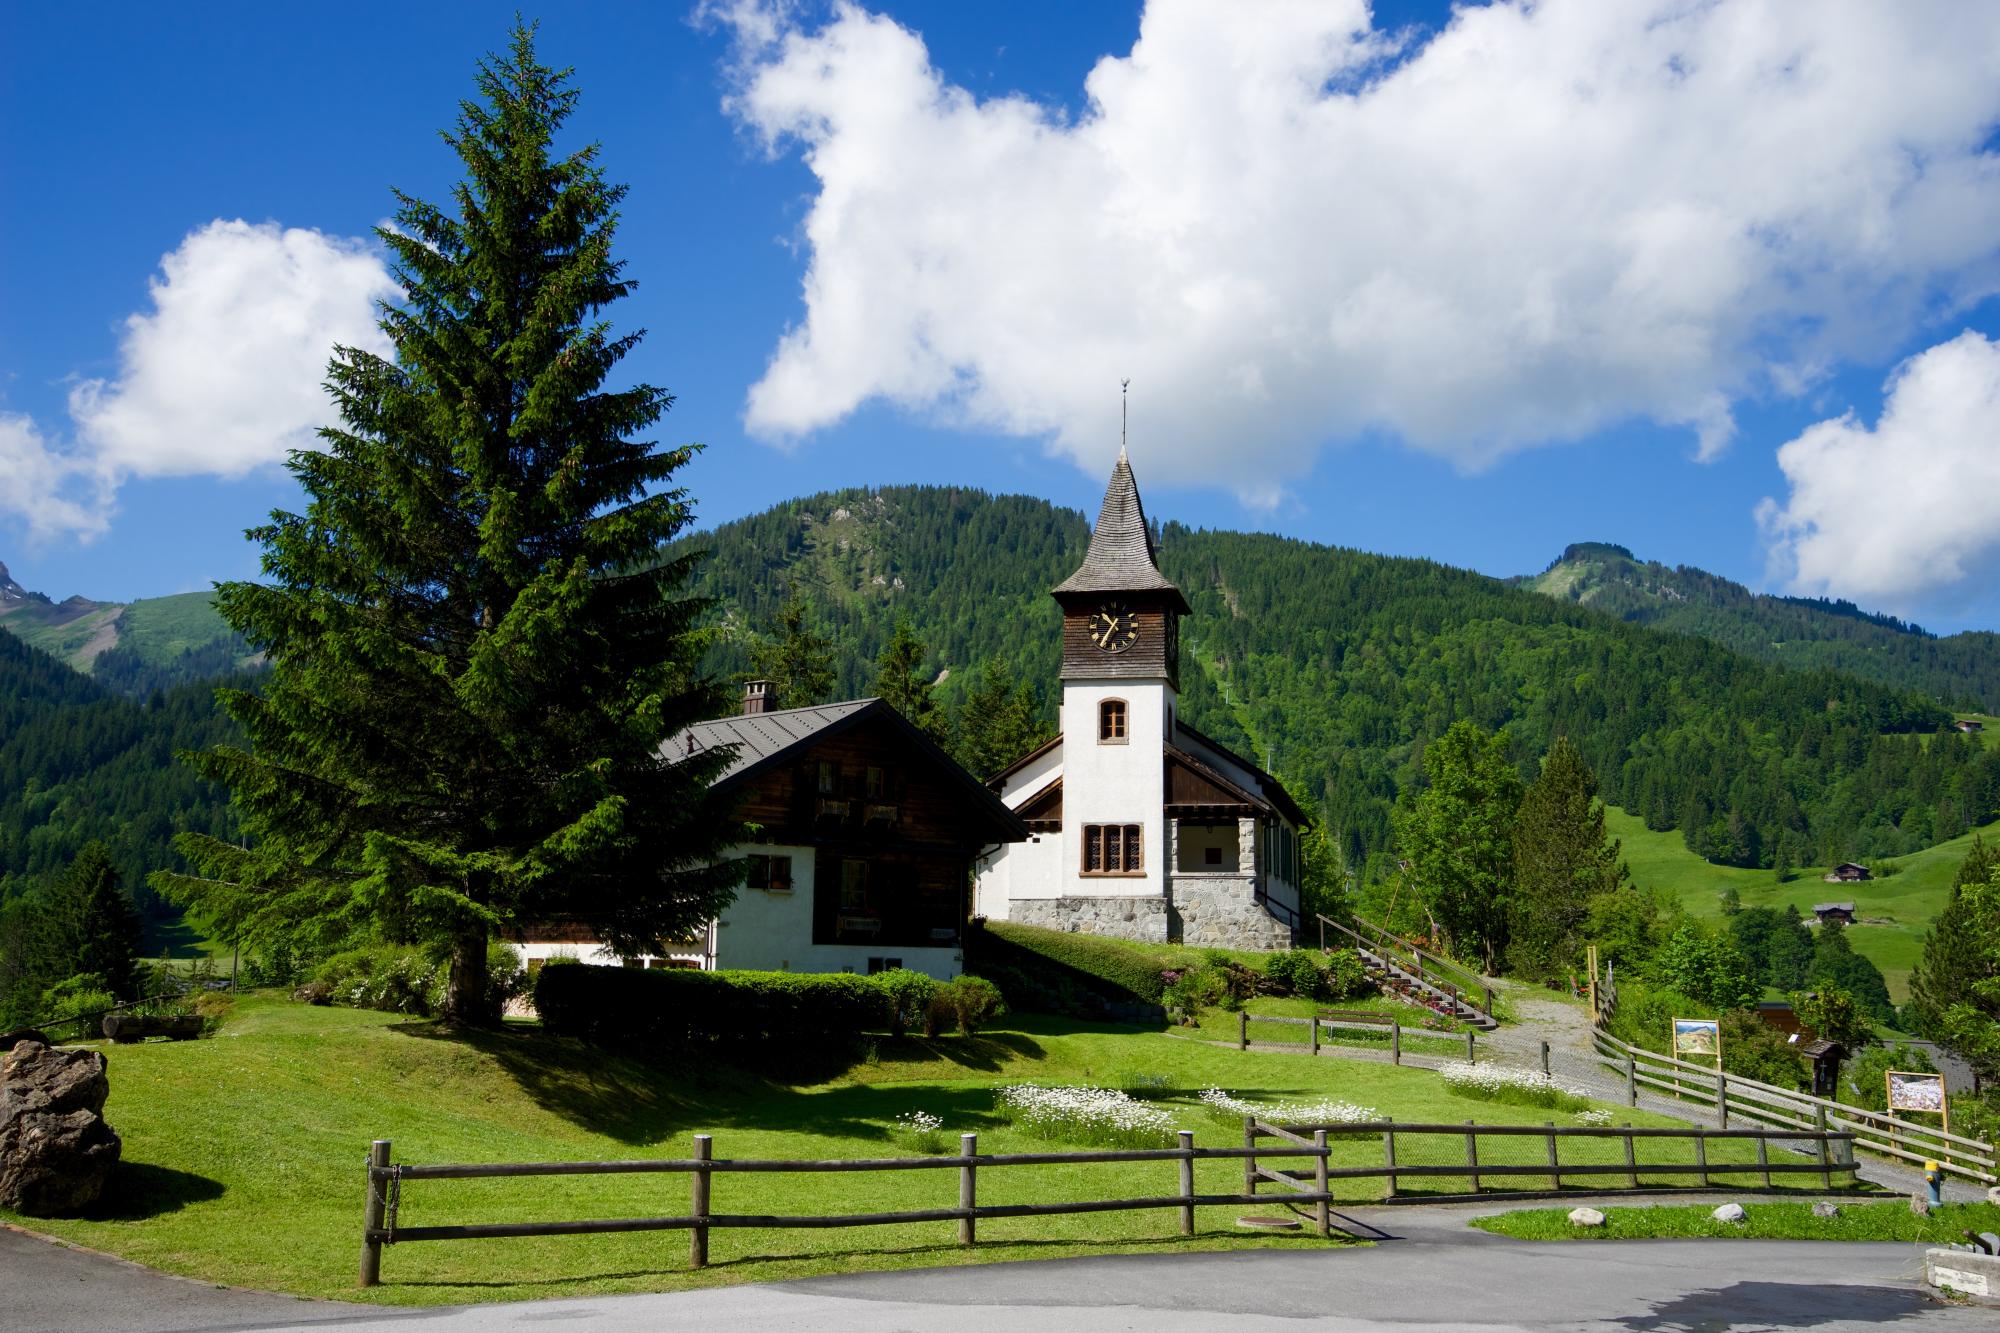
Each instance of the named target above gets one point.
<point>1437,1275</point>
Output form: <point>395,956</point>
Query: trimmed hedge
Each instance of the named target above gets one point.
<point>1121,964</point>
<point>681,1009</point>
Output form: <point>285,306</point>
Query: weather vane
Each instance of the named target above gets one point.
<point>1124,411</point>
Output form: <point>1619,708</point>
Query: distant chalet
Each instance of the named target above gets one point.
<point>1841,912</point>
<point>1847,872</point>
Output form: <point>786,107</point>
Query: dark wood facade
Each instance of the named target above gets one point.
<point>1156,652</point>
<point>892,826</point>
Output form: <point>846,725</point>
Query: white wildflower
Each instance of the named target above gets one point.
<point>1323,1112</point>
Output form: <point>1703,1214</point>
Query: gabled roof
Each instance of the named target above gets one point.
<point>1190,782</point>
<point>1271,789</point>
<point>763,740</point>
<point>1121,556</point>
<point>999,779</point>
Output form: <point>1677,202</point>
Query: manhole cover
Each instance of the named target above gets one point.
<point>1268,1223</point>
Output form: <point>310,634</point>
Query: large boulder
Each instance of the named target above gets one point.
<point>56,1152</point>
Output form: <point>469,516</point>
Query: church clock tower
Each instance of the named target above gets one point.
<point>1120,681</point>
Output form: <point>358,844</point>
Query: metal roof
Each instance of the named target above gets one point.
<point>758,736</point>
<point>1121,556</point>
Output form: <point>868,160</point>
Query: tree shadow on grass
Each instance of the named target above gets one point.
<point>1777,1305</point>
<point>140,1190</point>
<point>636,1101</point>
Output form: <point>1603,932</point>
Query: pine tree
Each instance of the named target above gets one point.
<point>476,632</point>
<point>1457,835</point>
<point>797,659</point>
<point>1952,959</point>
<point>997,723</point>
<point>901,683</point>
<point>1562,861</point>
<point>95,929</point>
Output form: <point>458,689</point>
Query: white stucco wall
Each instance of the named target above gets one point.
<point>1113,784</point>
<point>1016,869</point>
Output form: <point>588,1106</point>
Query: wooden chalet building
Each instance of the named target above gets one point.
<point>1847,872</point>
<point>860,833</point>
<point>1841,912</point>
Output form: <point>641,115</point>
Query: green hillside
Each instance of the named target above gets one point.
<point>1340,666</point>
<point>1961,671</point>
<point>1892,912</point>
<point>134,648</point>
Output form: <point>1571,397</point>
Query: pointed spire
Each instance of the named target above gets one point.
<point>1121,556</point>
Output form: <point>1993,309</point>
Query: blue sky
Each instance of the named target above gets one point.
<point>1526,416</point>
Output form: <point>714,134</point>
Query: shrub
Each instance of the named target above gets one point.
<point>398,980</point>
<point>1192,989</point>
<point>1864,1078</point>
<point>1753,1048</point>
<point>679,1010</point>
<point>506,975</point>
<point>975,1002</point>
<point>79,996</point>
<point>214,1006</point>
<point>1346,978</point>
<point>909,998</point>
<point>1296,972</point>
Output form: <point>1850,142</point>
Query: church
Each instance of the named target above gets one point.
<point>1139,825</point>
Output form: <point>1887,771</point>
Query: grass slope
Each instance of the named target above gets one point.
<point>1762,1220</point>
<point>160,629</point>
<point>243,1152</point>
<point>1891,913</point>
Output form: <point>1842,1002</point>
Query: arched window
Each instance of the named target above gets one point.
<point>1111,722</point>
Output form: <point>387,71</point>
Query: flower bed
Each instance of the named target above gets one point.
<point>1101,1117</point>
<point>1523,1087</point>
<point>1324,1112</point>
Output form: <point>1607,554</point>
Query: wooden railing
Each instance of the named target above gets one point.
<point>1387,1025</point>
<point>1735,1097</point>
<point>1457,984</point>
<point>387,1178</point>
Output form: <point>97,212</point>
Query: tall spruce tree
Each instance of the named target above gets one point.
<point>1457,835</point>
<point>1562,861</point>
<point>900,681</point>
<point>1953,959</point>
<point>997,723</point>
<point>797,659</point>
<point>477,640</point>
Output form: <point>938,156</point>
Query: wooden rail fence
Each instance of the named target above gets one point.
<point>386,1179</point>
<point>1734,1097</point>
<point>1336,1019</point>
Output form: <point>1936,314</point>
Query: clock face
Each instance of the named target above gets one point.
<point>1112,628</point>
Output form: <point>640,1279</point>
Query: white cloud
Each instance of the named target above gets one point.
<point>221,377</point>
<point>48,492</point>
<point>224,374</point>
<point>1544,220</point>
<point>1909,507</point>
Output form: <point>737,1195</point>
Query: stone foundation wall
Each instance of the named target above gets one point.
<point>1127,918</point>
<point>1222,912</point>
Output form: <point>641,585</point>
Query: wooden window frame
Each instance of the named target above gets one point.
<point>1105,714</point>
<point>1127,840</point>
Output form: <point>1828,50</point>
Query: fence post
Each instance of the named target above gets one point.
<point>1825,1148</point>
<point>1721,1100</point>
<point>371,1216</point>
<point>698,1202</point>
<point>1325,1209</point>
<point>1489,1000</point>
<point>1395,1041</point>
<point>1389,1159</point>
<point>1545,1059</point>
<point>1631,1081</point>
<point>1847,1162</point>
<point>1701,1153</point>
<point>1315,1032</point>
<point>1249,1158</point>
<point>1187,1181</point>
<point>1555,1166</point>
<point>968,1199</point>
<point>1631,1159</point>
<point>1472,1155</point>
<point>1243,1030</point>
<point>1469,1057</point>
<point>1764,1159</point>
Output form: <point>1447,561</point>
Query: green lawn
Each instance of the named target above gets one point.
<point>1763,1219</point>
<point>244,1152</point>
<point>1892,913</point>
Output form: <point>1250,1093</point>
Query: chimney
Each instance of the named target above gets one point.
<point>756,697</point>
